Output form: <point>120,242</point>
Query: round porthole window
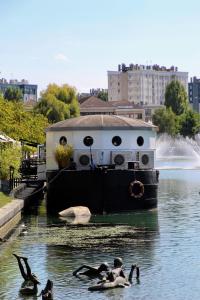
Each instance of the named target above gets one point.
<point>140,141</point>
<point>116,140</point>
<point>63,141</point>
<point>119,159</point>
<point>145,159</point>
<point>88,141</point>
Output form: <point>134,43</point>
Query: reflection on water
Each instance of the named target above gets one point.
<point>164,242</point>
<point>76,219</point>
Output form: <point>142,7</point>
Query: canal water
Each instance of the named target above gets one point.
<point>165,243</point>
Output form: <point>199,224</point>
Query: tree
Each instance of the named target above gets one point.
<point>166,121</point>
<point>58,103</point>
<point>10,155</point>
<point>20,124</point>
<point>189,123</point>
<point>176,97</point>
<point>103,95</point>
<point>53,109</point>
<point>13,94</point>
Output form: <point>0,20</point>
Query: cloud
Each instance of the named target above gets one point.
<point>61,57</point>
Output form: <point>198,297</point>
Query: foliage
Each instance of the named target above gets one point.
<point>20,124</point>
<point>189,123</point>
<point>4,199</point>
<point>63,154</point>
<point>58,103</point>
<point>166,121</point>
<point>13,94</point>
<point>177,118</point>
<point>103,95</point>
<point>176,97</point>
<point>10,156</point>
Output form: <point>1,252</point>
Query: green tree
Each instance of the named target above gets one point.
<point>10,155</point>
<point>176,97</point>
<point>58,103</point>
<point>13,94</point>
<point>103,95</point>
<point>166,121</point>
<point>20,124</point>
<point>53,109</point>
<point>189,123</point>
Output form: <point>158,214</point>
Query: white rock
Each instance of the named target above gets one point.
<point>75,211</point>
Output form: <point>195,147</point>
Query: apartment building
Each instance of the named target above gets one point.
<point>29,91</point>
<point>194,93</point>
<point>141,84</point>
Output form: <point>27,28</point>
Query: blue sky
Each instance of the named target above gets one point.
<point>76,42</point>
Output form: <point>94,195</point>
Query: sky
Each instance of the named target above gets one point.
<point>78,41</point>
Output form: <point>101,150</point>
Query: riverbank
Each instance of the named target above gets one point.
<point>21,198</point>
<point>10,215</point>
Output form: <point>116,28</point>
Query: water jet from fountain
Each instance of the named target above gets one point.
<point>177,153</point>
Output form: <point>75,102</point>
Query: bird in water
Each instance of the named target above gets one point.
<point>47,293</point>
<point>30,290</point>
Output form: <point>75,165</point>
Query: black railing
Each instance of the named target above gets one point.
<point>15,182</point>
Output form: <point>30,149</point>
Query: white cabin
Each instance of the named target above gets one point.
<point>109,139</point>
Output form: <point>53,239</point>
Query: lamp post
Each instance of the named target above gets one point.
<point>12,169</point>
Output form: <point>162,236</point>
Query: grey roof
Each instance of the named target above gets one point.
<point>95,102</point>
<point>101,122</point>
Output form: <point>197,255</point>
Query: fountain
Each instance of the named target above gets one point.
<point>177,153</point>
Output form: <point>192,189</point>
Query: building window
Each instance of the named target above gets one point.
<point>88,141</point>
<point>140,141</point>
<point>63,141</point>
<point>116,140</point>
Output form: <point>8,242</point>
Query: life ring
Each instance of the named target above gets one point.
<point>136,189</point>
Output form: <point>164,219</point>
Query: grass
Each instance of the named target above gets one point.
<point>4,199</point>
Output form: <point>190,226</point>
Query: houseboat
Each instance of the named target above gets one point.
<point>113,164</point>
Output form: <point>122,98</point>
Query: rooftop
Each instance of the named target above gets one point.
<point>155,67</point>
<point>101,122</point>
<point>97,102</point>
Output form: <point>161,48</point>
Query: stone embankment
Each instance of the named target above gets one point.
<point>23,195</point>
<point>10,215</point>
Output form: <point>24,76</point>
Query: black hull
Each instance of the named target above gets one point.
<point>100,190</point>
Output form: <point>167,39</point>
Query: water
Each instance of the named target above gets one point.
<point>164,242</point>
<point>179,153</point>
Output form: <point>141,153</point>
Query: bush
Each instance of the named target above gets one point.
<point>62,155</point>
<point>10,156</point>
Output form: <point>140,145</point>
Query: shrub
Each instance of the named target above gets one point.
<point>62,155</point>
<point>10,156</point>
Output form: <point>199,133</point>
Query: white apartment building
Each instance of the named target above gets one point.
<point>142,84</point>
